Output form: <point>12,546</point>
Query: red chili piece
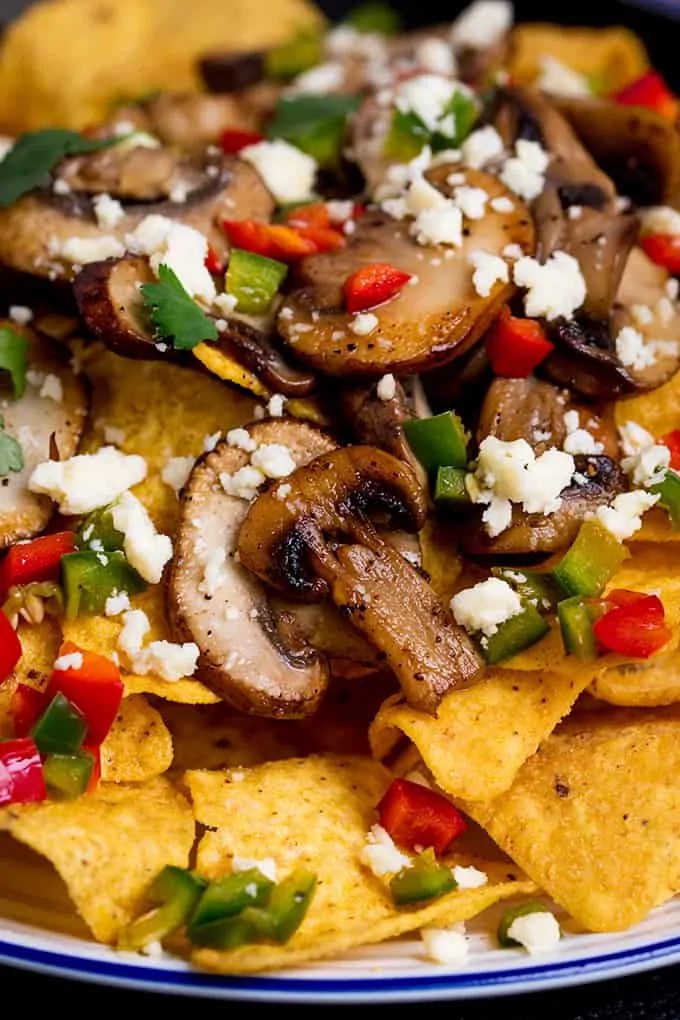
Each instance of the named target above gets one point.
<point>672,441</point>
<point>664,249</point>
<point>651,91</point>
<point>10,647</point>
<point>372,285</point>
<point>515,346</point>
<point>635,626</point>
<point>416,816</point>
<point>95,688</point>
<point>21,773</point>
<point>233,140</point>
<point>37,560</point>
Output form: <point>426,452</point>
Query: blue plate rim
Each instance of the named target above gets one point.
<point>464,984</point>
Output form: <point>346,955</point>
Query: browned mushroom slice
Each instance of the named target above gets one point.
<point>377,419</point>
<point>318,541</point>
<point>533,410</point>
<point>637,147</point>
<point>213,601</point>
<point>428,323</point>
<point>31,227</point>
<point>49,418</point>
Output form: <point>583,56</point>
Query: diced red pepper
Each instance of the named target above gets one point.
<point>314,214</point>
<point>323,238</point>
<point>672,441</point>
<point>416,816</point>
<point>213,263</point>
<point>25,708</point>
<point>37,560</point>
<point>10,647</point>
<point>651,91</point>
<point>515,346</point>
<point>274,240</point>
<point>21,772</point>
<point>625,597</point>
<point>664,249</point>
<point>634,627</point>
<point>372,285</point>
<point>95,688</point>
<point>233,140</point>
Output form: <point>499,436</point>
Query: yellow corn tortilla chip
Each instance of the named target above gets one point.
<point>108,845</point>
<point>66,63</point>
<point>610,57</point>
<point>441,559</point>
<point>594,815</point>
<point>657,411</point>
<point>32,892</point>
<point>138,746</point>
<point>481,736</point>
<point>642,684</point>
<point>316,813</point>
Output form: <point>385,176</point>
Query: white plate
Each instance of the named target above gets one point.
<point>392,972</point>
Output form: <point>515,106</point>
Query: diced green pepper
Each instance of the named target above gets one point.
<point>67,776</point>
<point>513,636</point>
<point>463,109</point>
<point>449,487</point>
<point>426,879</point>
<point>98,528</point>
<point>533,587</point>
<point>287,907</point>
<point>225,898</point>
<point>375,16</point>
<point>576,624</point>
<point>591,562</point>
<point>253,280</point>
<point>89,578</point>
<point>406,136</point>
<point>61,728</point>
<point>176,891</point>
<point>293,57</point>
<point>669,491</point>
<point>316,124</point>
<point>511,915</point>
<point>440,441</point>
<point>14,359</point>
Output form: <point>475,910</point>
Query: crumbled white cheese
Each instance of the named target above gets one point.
<point>288,172</point>
<point>480,147</point>
<point>470,877</point>
<point>488,270</point>
<point>555,289</point>
<point>524,173</point>
<point>642,315</point>
<point>381,855</point>
<point>428,96</point>
<point>241,439</point>
<point>364,323</point>
<point>135,628</point>
<point>634,351</point>
<point>386,388</point>
<point>557,79</point>
<point>211,441</point>
<point>444,945</point>
<point>266,866</point>
<point>660,219</point>
<point>487,605</point>
<point>538,932</point>
<point>108,211</point>
<point>225,303</point>
<point>624,516</point>
<point>181,248</point>
<point>146,550</point>
<point>244,483</point>
<point>89,480</point>
<point>435,226</point>
<point>512,252</point>
<point>503,204</point>
<point>164,659</point>
<point>324,78</point>
<point>482,24</point>
<point>339,211</point>
<point>176,471</point>
<point>578,441</point>
<point>79,251</point>
<point>117,603</point>
<point>283,491</point>
<point>422,195</point>
<point>74,660</point>
<point>61,187</point>
<point>435,55</point>
<point>471,201</point>
<point>646,460</point>
<point>275,405</point>
<point>51,388</point>
<point>20,314</point>
<point>274,460</point>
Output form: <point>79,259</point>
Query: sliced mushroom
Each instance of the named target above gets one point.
<point>192,120</point>
<point>42,425</point>
<point>428,323</point>
<point>637,147</point>
<point>212,600</point>
<point>533,410</point>
<point>318,542</point>
<point>377,421</point>
<point>32,226</point>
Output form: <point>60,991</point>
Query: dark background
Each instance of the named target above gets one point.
<point>652,996</point>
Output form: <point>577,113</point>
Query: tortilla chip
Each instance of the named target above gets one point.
<point>481,736</point>
<point>66,63</point>
<point>656,411</point>
<point>315,813</point>
<point>40,647</point>
<point>647,684</point>
<point>594,816</point>
<point>610,57</point>
<point>108,845</point>
<point>441,558</point>
<point>32,892</point>
<point>138,746</point>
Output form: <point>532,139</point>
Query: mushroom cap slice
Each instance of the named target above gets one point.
<point>213,601</point>
<point>318,541</point>
<point>29,227</point>
<point>40,425</point>
<point>192,120</point>
<point>427,324</point>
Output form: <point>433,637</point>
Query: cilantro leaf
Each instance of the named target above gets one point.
<point>11,456</point>
<point>317,124</point>
<point>175,314</point>
<point>35,154</point>
<point>14,359</point>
